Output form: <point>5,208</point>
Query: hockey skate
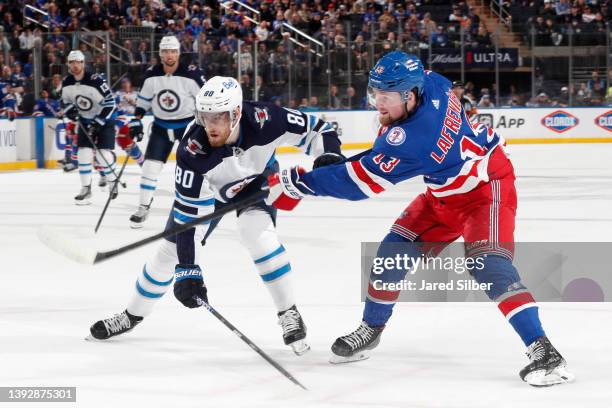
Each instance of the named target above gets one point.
<point>102,183</point>
<point>140,216</point>
<point>84,196</point>
<point>294,330</point>
<point>69,166</point>
<point>547,366</point>
<point>113,189</point>
<point>355,346</point>
<point>113,326</point>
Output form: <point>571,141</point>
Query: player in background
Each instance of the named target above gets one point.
<point>225,155</point>
<point>7,101</point>
<point>169,89</point>
<point>468,105</point>
<point>87,98</point>
<point>470,193</point>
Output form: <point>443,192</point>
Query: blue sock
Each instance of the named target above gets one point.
<point>527,324</point>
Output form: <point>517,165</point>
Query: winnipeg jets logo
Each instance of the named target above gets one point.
<point>261,116</point>
<point>83,102</point>
<point>193,147</point>
<point>396,136</point>
<point>230,191</point>
<point>436,103</point>
<point>168,100</point>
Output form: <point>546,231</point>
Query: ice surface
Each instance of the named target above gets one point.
<point>431,355</point>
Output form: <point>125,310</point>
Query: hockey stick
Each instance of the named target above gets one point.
<point>96,150</point>
<point>248,341</point>
<point>68,247</point>
<point>110,194</point>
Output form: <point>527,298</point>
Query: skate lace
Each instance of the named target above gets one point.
<point>359,337</point>
<point>289,321</point>
<point>536,351</point>
<point>117,323</point>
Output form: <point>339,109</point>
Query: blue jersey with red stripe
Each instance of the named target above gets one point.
<point>437,142</point>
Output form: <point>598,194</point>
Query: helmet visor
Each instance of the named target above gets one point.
<point>214,119</point>
<point>384,99</point>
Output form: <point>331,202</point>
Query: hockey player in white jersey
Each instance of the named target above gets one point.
<point>225,155</point>
<point>87,99</point>
<point>169,89</point>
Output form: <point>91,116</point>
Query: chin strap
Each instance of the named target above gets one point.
<point>233,137</point>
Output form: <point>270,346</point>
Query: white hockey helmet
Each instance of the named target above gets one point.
<point>219,95</point>
<point>75,55</point>
<point>169,42</point>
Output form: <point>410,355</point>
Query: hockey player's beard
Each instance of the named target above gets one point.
<point>216,140</point>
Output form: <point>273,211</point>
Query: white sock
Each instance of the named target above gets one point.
<point>258,235</point>
<point>148,180</point>
<point>85,158</point>
<point>154,280</point>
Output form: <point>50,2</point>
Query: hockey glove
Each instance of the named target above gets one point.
<point>11,114</point>
<point>72,113</point>
<point>136,129</point>
<point>287,188</point>
<point>188,283</point>
<point>328,158</point>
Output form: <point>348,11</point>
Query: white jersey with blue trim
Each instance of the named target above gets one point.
<point>206,174</point>
<point>437,142</point>
<point>171,97</point>
<point>91,96</point>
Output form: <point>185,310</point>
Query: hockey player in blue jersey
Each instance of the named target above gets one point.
<point>225,155</point>
<point>470,194</point>
<point>169,90</point>
<point>88,100</point>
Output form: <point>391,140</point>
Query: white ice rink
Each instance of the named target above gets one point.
<point>431,355</point>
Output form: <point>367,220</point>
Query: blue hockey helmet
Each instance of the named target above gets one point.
<point>398,71</point>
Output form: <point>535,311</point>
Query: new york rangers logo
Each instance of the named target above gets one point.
<point>396,136</point>
<point>560,121</point>
<point>604,121</point>
<point>261,116</point>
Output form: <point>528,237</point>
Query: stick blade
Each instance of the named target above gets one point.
<point>66,245</point>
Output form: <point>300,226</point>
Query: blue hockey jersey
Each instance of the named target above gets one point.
<point>437,142</point>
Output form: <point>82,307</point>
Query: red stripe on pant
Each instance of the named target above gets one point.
<point>513,302</point>
<point>384,295</point>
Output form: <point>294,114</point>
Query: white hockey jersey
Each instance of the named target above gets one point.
<point>91,96</point>
<point>171,97</point>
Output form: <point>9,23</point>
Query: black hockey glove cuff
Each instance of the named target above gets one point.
<point>328,158</point>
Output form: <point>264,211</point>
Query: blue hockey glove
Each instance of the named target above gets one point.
<point>136,129</point>
<point>188,283</point>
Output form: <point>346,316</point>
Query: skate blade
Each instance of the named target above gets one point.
<point>336,359</point>
<point>91,338</point>
<point>135,225</point>
<point>558,375</point>
<point>299,347</point>
<point>82,202</point>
